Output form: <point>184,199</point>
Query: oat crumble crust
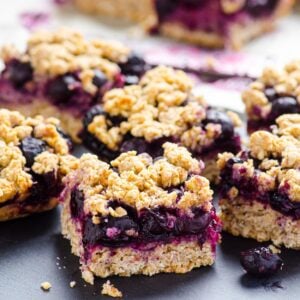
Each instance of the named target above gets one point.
<point>110,290</point>
<point>285,81</point>
<point>279,156</point>
<point>62,51</point>
<point>140,181</point>
<point>14,177</point>
<point>161,105</point>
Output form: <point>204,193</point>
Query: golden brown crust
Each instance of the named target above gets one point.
<point>259,221</point>
<point>140,182</point>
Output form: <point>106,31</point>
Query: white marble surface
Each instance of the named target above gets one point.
<point>277,47</point>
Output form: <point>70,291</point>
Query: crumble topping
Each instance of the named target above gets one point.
<point>15,178</point>
<point>14,127</point>
<point>46,286</point>
<point>285,81</point>
<point>230,7</point>
<point>139,181</point>
<point>278,156</point>
<point>110,290</point>
<point>66,51</point>
<point>161,105</point>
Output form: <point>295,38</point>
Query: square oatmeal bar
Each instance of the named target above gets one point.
<point>61,74</point>
<point>137,215</point>
<point>209,23</point>
<point>33,159</point>
<point>260,188</point>
<point>160,108</point>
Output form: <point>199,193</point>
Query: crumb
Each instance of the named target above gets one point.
<point>72,284</point>
<point>46,286</point>
<point>110,290</point>
<point>274,249</point>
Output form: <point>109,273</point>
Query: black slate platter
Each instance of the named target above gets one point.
<point>32,250</point>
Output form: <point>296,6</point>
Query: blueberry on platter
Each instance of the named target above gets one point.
<point>34,159</point>
<point>261,262</point>
<point>142,210</point>
<point>61,74</point>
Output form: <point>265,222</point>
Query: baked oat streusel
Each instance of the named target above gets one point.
<point>214,23</point>
<point>33,159</point>
<point>274,93</point>
<point>160,108</point>
<point>137,202</point>
<point>260,187</point>
<point>62,74</point>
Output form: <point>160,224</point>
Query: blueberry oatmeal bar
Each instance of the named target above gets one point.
<point>61,74</point>
<point>139,215</point>
<point>260,188</point>
<point>160,108</point>
<point>33,159</point>
<point>214,23</point>
<point>275,93</point>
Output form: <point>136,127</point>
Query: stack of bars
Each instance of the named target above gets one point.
<point>137,215</point>
<point>210,23</point>
<point>260,187</point>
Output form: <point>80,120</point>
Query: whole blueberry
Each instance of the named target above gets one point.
<point>30,148</point>
<point>260,261</point>
<point>258,8</point>
<point>135,65</point>
<point>270,93</point>
<point>136,144</point>
<point>99,78</point>
<point>61,89</point>
<point>19,73</point>
<point>219,117</point>
<point>284,105</point>
<point>92,113</point>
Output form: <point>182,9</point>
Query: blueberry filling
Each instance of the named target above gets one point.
<point>209,15</point>
<point>218,117</point>
<point>76,203</point>
<point>19,73</point>
<point>260,262</point>
<point>249,189</point>
<point>160,224</point>
<point>62,88</point>
<point>30,148</point>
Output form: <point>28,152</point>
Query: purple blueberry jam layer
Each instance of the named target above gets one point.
<point>251,188</point>
<point>140,229</point>
<point>228,140</point>
<point>66,91</point>
<point>212,16</point>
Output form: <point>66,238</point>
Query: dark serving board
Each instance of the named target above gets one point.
<point>32,250</point>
